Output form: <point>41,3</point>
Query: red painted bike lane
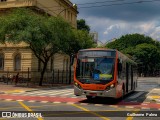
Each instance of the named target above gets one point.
<point>75,100</point>
<point>39,98</point>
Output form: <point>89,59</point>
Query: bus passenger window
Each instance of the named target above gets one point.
<point>119,68</point>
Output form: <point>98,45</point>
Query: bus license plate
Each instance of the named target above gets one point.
<point>93,94</point>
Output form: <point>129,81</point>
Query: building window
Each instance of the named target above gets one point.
<point>1,62</point>
<point>17,62</point>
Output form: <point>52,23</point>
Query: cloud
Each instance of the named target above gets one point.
<point>155,34</point>
<point>114,21</point>
<point>127,12</point>
<point>110,29</point>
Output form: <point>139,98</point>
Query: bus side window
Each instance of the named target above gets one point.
<point>77,67</point>
<point>119,67</point>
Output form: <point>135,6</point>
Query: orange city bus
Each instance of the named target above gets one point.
<point>100,72</point>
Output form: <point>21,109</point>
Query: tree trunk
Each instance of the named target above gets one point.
<point>70,72</point>
<point>42,73</point>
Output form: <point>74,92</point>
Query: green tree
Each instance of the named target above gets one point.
<point>143,49</point>
<point>80,40</point>
<point>147,57</point>
<point>130,40</point>
<point>45,35</point>
<point>81,25</point>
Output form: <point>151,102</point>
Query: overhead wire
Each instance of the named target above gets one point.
<point>114,4</point>
<point>101,2</point>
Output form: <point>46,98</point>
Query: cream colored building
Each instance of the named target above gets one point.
<point>19,58</point>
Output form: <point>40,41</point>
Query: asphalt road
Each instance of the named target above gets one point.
<point>134,104</point>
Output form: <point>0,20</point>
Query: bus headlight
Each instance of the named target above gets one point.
<point>112,85</point>
<point>76,84</point>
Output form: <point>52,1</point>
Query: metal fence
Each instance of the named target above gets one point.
<point>33,77</point>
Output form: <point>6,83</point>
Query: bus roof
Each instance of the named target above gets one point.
<point>98,49</point>
<point>107,49</point>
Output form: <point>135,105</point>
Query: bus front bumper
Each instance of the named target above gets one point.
<point>105,93</point>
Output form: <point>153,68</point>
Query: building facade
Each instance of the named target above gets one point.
<point>18,57</point>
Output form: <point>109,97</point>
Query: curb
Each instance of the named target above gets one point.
<point>50,88</point>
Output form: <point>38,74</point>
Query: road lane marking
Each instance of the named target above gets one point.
<point>98,105</point>
<point>57,102</point>
<point>129,107</point>
<point>31,101</point>
<point>14,91</point>
<point>154,97</point>
<point>9,108</point>
<point>91,112</point>
<point>19,100</point>
<point>28,109</point>
<point>8,99</point>
<point>46,92</point>
<point>114,106</point>
<point>70,103</point>
<point>43,101</point>
<point>145,108</point>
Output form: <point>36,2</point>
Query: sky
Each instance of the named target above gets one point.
<point>114,18</point>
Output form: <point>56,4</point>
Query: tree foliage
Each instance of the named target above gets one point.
<point>143,49</point>
<point>80,40</point>
<point>148,58</point>
<point>130,40</point>
<point>81,25</point>
<point>45,35</point>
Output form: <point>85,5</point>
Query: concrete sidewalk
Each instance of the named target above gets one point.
<point>154,95</point>
<point>7,89</point>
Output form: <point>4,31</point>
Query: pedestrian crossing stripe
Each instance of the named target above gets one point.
<point>53,92</point>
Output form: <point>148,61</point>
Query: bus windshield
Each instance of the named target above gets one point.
<point>95,70</point>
